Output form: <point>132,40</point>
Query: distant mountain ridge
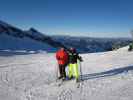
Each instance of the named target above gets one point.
<point>31,33</point>
<point>82,44</point>
<point>92,44</point>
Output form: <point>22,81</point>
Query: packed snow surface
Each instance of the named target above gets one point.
<point>106,76</point>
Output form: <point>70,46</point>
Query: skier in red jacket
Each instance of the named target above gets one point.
<point>62,58</point>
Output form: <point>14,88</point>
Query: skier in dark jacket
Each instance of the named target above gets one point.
<point>73,66</point>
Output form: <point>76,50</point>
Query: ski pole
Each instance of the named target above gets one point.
<point>80,68</point>
<point>56,71</point>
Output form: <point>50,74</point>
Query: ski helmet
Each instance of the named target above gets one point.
<point>72,49</point>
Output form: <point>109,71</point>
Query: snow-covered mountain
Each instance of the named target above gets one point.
<point>106,76</point>
<point>12,38</point>
<point>24,44</point>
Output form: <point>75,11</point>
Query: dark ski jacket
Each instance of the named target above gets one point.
<point>73,57</point>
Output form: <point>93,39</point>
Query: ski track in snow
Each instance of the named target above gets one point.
<point>33,77</point>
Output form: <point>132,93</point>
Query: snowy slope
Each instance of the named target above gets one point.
<point>107,76</point>
<point>8,42</point>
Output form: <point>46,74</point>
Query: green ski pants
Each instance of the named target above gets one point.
<point>73,70</point>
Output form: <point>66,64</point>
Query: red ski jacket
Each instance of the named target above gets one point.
<point>62,57</point>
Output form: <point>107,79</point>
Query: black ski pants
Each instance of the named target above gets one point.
<point>62,70</point>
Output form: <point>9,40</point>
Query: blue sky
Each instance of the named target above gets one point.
<point>95,18</point>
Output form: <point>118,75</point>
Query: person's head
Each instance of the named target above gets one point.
<point>72,49</point>
<point>62,49</point>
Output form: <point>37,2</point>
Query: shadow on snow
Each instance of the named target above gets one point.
<point>106,73</point>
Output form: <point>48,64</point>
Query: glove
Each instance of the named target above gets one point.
<point>80,58</point>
